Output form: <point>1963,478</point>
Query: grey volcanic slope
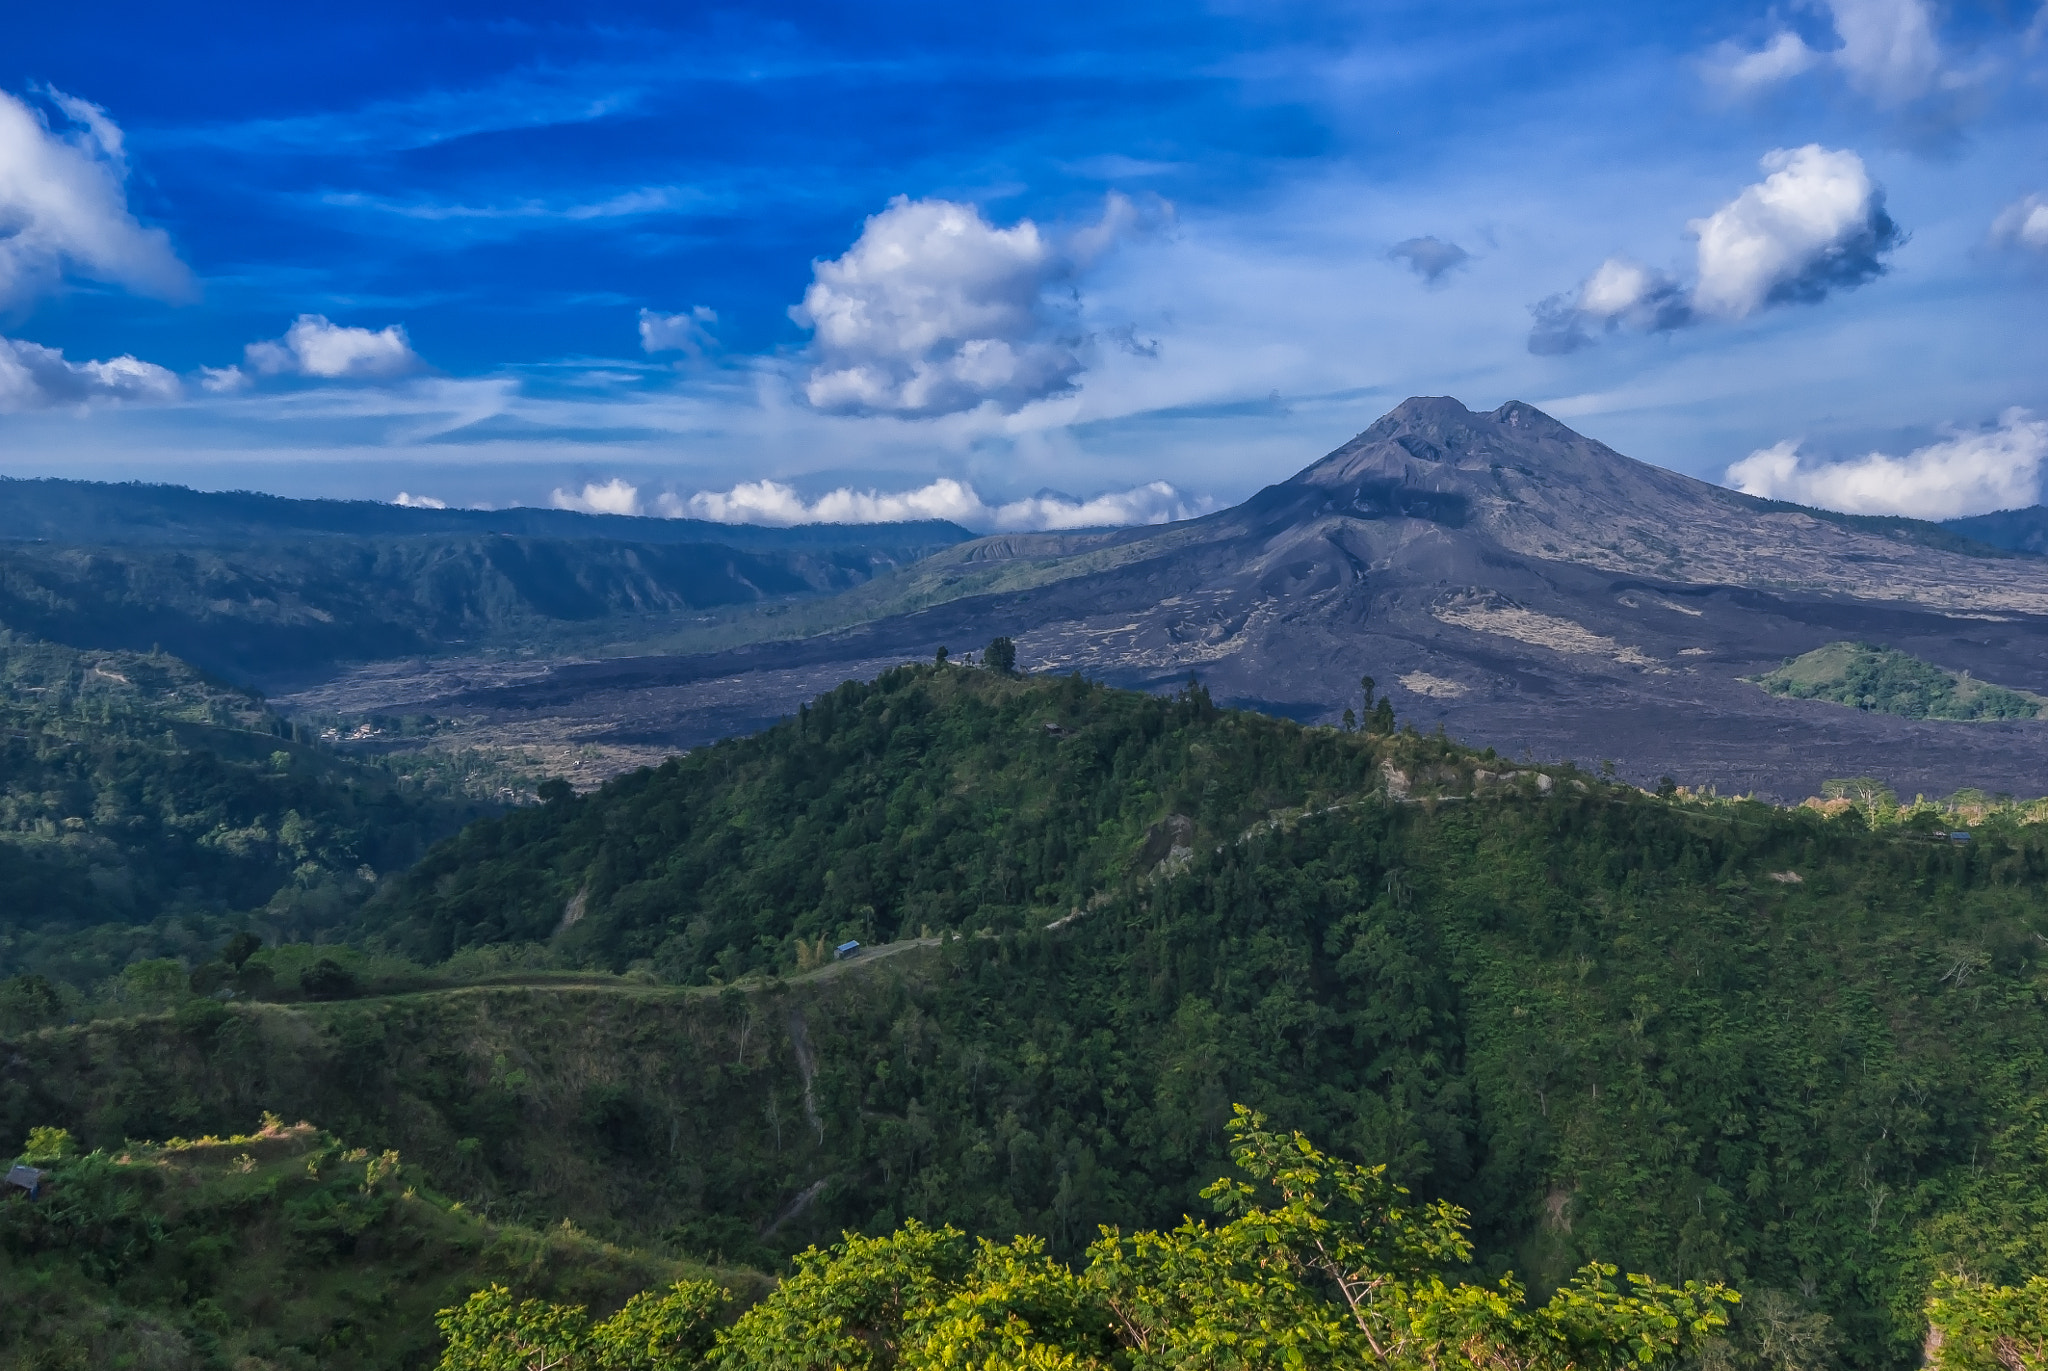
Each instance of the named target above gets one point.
<point>1500,574</point>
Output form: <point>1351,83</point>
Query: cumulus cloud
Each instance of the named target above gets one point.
<point>1815,224</point>
<point>687,332</point>
<point>934,310</point>
<point>1970,473</point>
<point>1887,49</point>
<point>772,502</point>
<point>64,205</point>
<point>314,346</point>
<point>1621,293</point>
<point>1429,258</point>
<point>409,501</point>
<point>35,377</point>
<point>616,496</point>
<point>2023,223</point>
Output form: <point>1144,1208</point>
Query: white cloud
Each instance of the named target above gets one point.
<point>771,502</point>
<point>409,501</point>
<point>1967,474</point>
<point>1815,224</point>
<point>313,346</point>
<point>934,311</point>
<point>1781,59</point>
<point>35,377</point>
<point>2024,222</point>
<point>686,332</point>
<point>64,206</point>
<point>1886,49</point>
<point>223,380</point>
<point>616,496</point>
<point>1889,49</point>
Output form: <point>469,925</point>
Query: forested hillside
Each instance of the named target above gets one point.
<point>279,1248</point>
<point>1802,1051</point>
<point>146,808</point>
<point>274,613</point>
<point>936,798</point>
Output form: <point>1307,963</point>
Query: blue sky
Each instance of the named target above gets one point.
<point>1061,264</point>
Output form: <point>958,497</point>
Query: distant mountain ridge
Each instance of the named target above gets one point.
<point>92,512</point>
<point>275,592</point>
<point>2016,530</point>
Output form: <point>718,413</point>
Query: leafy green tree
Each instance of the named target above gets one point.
<point>46,1145</point>
<point>491,1331</point>
<point>1000,656</point>
<point>666,1331</point>
<point>657,1331</point>
<point>1320,1262</point>
<point>236,951</point>
<point>1976,1326</point>
<point>27,1002</point>
<point>327,979</point>
<point>846,1308</point>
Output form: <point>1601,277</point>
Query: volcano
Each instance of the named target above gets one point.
<point>1496,573</point>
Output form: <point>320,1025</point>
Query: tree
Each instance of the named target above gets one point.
<point>1000,657</point>
<point>239,949</point>
<point>490,1331</point>
<point>1973,1326</point>
<point>657,1331</point>
<point>327,979</point>
<point>1319,1263</point>
<point>1379,718</point>
<point>667,1331</point>
<point>46,1145</point>
<point>29,1001</point>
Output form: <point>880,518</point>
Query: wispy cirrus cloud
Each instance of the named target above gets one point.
<point>638,200</point>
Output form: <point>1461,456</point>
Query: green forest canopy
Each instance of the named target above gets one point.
<point>1887,681</point>
<point>1800,1052</point>
<point>146,808</point>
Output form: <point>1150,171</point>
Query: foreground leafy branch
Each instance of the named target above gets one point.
<point>1316,1262</point>
<point>1973,1326</point>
